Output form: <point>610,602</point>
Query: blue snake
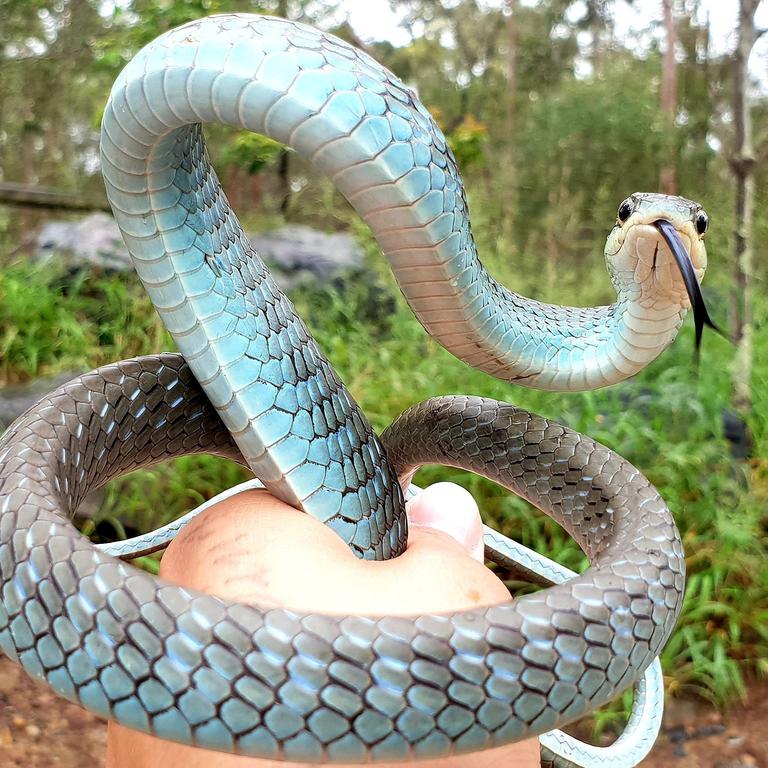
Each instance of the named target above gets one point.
<point>252,385</point>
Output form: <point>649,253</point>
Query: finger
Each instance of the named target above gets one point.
<point>254,547</point>
<point>448,509</point>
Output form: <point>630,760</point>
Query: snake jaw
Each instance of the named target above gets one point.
<point>683,258</point>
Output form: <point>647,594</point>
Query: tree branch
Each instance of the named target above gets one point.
<point>26,196</point>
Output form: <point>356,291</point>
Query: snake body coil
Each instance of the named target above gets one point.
<point>273,683</point>
<point>195,668</point>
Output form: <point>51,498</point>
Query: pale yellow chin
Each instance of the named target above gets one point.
<point>699,258</point>
<point>641,262</point>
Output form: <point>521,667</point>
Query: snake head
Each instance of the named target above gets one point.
<point>656,253</point>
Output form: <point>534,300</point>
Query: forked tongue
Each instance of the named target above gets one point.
<point>682,257</point>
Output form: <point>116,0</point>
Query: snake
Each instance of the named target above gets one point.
<point>250,384</point>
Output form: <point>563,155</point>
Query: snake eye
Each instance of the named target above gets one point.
<point>702,222</point>
<point>625,211</point>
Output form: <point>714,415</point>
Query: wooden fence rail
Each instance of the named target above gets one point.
<point>26,196</point>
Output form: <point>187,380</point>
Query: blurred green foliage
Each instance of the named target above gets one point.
<point>252,152</point>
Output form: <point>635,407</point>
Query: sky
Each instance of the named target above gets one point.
<point>375,20</point>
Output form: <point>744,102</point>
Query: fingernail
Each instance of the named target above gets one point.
<point>448,508</point>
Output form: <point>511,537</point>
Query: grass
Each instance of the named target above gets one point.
<point>52,322</point>
<point>667,421</point>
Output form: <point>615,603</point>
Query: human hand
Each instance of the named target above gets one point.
<point>254,548</point>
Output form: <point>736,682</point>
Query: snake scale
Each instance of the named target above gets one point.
<point>251,385</point>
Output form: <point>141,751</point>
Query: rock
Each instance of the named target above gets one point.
<point>303,253</point>
<point>93,241</point>
<point>737,433</point>
<point>297,252</point>
<point>32,731</point>
<point>15,400</point>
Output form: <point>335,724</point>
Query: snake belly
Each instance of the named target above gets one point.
<point>273,683</point>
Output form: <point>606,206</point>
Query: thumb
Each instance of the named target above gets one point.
<point>449,509</point>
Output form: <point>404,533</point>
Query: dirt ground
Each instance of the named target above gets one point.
<point>695,736</point>
<point>37,729</point>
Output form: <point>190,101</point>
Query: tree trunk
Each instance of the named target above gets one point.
<point>596,14</point>
<point>668,175</point>
<point>742,165</point>
<point>284,162</point>
<point>505,177</point>
<point>512,35</point>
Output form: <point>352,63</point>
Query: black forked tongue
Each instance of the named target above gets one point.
<point>682,257</point>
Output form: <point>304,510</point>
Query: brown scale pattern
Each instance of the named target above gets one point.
<point>194,668</point>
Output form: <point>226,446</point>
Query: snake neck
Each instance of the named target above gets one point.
<point>553,347</point>
<point>367,131</point>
